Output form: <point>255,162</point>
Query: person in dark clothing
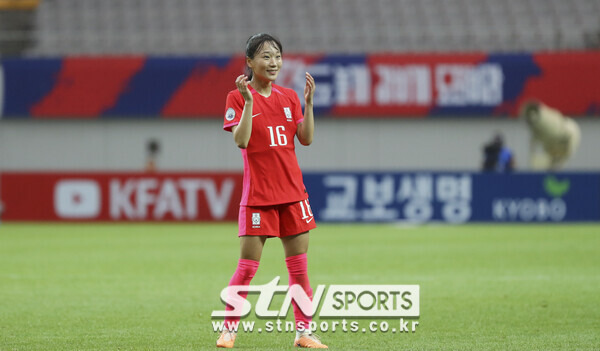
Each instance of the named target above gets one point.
<point>497,157</point>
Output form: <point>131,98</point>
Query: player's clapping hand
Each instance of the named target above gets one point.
<point>242,84</point>
<point>309,89</point>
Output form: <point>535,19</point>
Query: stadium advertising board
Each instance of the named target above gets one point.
<point>415,85</point>
<point>454,197</point>
<point>120,196</point>
<point>413,197</point>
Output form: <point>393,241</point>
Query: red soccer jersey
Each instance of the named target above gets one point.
<point>271,172</point>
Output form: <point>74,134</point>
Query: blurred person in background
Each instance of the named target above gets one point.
<point>554,137</point>
<point>497,157</point>
<point>264,119</point>
<point>152,151</point>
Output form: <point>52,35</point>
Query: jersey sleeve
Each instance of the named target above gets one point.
<point>298,116</point>
<point>233,111</point>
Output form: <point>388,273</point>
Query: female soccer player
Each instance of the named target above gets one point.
<point>264,119</point>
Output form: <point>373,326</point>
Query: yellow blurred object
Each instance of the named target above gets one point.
<point>558,135</point>
<point>19,4</point>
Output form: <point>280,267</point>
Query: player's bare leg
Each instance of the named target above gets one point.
<point>251,246</point>
<point>295,248</point>
<point>295,244</point>
<point>250,251</point>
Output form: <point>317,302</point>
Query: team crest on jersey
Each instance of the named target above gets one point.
<point>256,220</point>
<point>288,113</point>
<point>230,114</point>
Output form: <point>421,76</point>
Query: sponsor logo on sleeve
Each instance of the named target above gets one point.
<point>230,114</point>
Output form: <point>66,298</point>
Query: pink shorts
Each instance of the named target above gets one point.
<point>277,220</point>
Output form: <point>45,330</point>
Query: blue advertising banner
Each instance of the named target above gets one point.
<point>454,197</point>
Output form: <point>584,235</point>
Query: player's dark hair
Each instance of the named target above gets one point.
<point>255,42</point>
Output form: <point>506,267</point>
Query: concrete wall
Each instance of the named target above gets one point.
<point>340,144</point>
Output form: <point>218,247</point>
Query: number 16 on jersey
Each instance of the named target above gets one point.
<point>281,138</point>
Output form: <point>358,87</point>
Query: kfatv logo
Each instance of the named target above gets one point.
<point>151,198</point>
<point>383,301</point>
<point>74,198</point>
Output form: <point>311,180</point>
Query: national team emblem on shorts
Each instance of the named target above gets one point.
<point>288,113</point>
<point>256,220</point>
<point>230,114</point>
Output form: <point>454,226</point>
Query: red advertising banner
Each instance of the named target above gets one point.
<point>120,196</point>
<point>368,85</point>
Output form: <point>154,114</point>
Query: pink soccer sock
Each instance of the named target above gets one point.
<point>243,275</point>
<point>298,274</point>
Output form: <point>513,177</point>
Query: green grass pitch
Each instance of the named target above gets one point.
<point>153,286</point>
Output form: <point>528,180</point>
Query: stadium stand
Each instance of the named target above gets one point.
<point>180,27</point>
<point>16,25</point>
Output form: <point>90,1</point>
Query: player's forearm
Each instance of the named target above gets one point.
<point>242,133</point>
<point>306,129</point>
